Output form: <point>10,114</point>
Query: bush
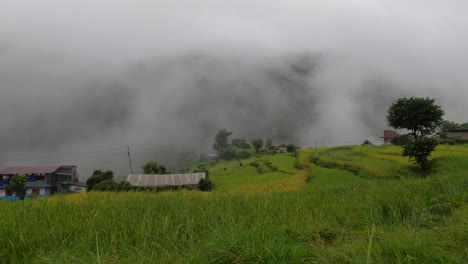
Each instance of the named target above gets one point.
<point>125,186</point>
<point>254,164</point>
<point>205,185</point>
<point>233,152</point>
<point>261,169</point>
<point>271,166</point>
<point>291,148</point>
<point>97,177</point>
<point>107,185</point>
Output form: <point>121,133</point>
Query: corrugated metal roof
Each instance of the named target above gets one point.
<point>29,170</point>
<point>459,129</point>
<point>165,180</point>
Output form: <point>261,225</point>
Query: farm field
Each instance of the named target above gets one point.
<point>350,204</point>
<point>265,173</point>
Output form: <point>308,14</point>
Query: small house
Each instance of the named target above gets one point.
<point>456,133</point>
<point>42,180</point>
<point>77,187</point>
<point>162,181</point>
<point>388,135</point>
<point>283,148</point>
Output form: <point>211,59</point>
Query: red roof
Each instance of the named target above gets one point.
<point>29,170</point>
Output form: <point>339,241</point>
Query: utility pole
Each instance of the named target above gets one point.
<point>129,159</point>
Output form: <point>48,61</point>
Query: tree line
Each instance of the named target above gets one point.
<point>240,148</point>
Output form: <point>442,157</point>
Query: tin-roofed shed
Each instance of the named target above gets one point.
<point>165,180</point>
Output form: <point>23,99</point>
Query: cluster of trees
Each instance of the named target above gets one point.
<point>104,181</point>
<point>152,167</point>
<point>421,117</point>
<point>239,148</point>
<point>447,125</point>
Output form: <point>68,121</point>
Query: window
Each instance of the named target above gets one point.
<point>35,191</point>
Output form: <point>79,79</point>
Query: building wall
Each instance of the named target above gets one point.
<point>4,193</point>
<point>78,189</point>
<point>461,135</point>
<point>42,191</point>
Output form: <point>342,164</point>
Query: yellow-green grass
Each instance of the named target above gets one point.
<point>242,175</point>
<point>326,179</point>
<point>383,162</point>
<point>340,216</point>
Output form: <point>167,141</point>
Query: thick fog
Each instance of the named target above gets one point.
<point>82,80</point>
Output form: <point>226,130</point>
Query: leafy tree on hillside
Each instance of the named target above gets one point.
<point>464,125</point>
<point>418,115</point>
<point>18,185</point>
<point>257,144</point>
<point>421,117</point>
<point>152,167</point>
<point>269,144</point>
<point>221,140</point>
<point>240,143</point>
<point>233,152</point>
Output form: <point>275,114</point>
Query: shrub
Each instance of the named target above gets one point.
<point>205,185</point>
<point>291,148</point>
<point>107,185</point>
<point>125,186</point>
<point>261,169</point>
<point>97,177</point>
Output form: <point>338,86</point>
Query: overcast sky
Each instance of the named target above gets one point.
<point>87,76</point>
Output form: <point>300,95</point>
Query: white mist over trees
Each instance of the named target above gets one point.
<point>81,76</point>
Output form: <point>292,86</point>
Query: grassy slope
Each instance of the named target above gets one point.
<point>235,176</point>
<point>356,211</point>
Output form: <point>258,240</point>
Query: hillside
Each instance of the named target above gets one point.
<point>337,205</point>
<point>265,173</point>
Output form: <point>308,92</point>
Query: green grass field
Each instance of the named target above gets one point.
<point>338,205</point>
<point>232,176</point>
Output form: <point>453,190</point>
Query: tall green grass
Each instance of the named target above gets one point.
<point>339,217</point>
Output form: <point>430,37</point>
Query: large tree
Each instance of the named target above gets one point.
<point>257,144</point>
<point>221,140</point>
<point>421,116</point>
<point>418,115</point>
<point>152,167</point>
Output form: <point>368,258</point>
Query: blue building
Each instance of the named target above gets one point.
<point>42,180</point>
